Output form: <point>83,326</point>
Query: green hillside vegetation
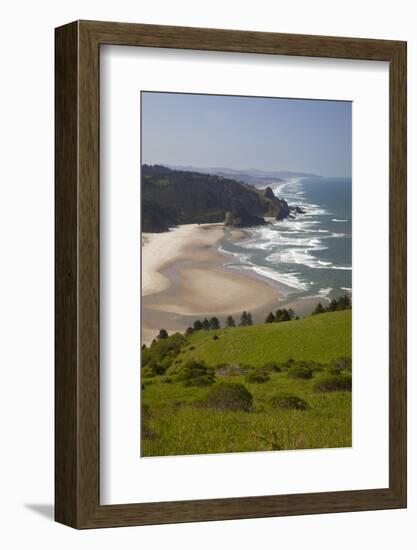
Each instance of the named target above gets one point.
<point>274,386</point>
<point>174,197</point>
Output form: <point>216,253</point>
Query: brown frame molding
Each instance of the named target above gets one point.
<point>77,466</point>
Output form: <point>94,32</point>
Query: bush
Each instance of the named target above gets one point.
<point>154,369</point>
<point>230,396</point>
<point>300,371</point>
<point>165,348</point>
<point>342,363</point>
<point>223,369</point>
<point>271,366</point>
<point>331,382</point>
<point>288,401</point>
<point>196,373</point>
<point>334,370</point>
<point>257,377</point>
<point>199,381</point>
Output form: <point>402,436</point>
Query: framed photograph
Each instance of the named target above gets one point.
<point>230,274</point>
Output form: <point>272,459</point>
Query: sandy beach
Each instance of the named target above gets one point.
<point>184,277</point>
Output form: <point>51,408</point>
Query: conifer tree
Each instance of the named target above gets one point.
<point>270,318</point>
<point>230,322</point>
<point>214,323</point>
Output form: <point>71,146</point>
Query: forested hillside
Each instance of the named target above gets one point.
<point>174,197</point>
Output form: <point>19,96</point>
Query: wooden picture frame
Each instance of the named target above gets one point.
<point>77,405</point>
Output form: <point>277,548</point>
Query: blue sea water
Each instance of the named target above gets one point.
<point>310,255</point>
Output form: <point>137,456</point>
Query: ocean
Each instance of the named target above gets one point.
<point>310,255</point>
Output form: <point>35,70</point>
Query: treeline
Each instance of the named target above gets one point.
<point>280,316</point>
<point>339,304</point>
<point>214,323</point>
<point>210,324</point>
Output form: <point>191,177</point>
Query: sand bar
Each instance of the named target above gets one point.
<point>184,274</point>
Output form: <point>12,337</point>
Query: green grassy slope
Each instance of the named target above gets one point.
<point>175,423</point>
<point>318,338</point>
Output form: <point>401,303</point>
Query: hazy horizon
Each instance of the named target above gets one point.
<point>247,133</point>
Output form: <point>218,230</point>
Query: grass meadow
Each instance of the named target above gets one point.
<point>275,386</point>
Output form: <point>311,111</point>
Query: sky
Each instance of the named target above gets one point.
<point>236,132</point>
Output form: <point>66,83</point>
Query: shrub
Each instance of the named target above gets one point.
<point>331,382</point>
<point>199,381</point>
<point>230,396</point>
<point>223,369</point>
<point>300,371</point>
<point>196,373</point>
<point>257,377</point>
<point>165,348</point>
<point>155,369</point>
<point>334,370</point>
<point>271,366</point>
<point>288,401</point>
<point>342,363</point>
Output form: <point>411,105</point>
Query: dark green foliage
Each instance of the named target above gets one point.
<point>160,356</point>
<point>318,309</point>
<point>214,323</point>
<point>230,322</point>
<point>246,319</point>
<point>270,318</point>
<point>331,382</point>
<point>206,324</point>
<point>271,366</point>
<point>174,197</point>
<point>198,325</point>
<point>162,334</point>
<point>303,372</point>
<point>344,303</point>
<point>332,369</point>
<point>257,377</point>
<point>282,315</point>
<point>215,337</point>
<point>230,396</point>
<point>342,363</point>
<point>196,373</point>
<point>189,331</point>
<point>335,305</point>
<point>286,401</point>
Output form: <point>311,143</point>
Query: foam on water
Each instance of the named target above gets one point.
<point>293,250</point>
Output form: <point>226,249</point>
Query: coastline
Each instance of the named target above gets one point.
<point>184,277</point>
